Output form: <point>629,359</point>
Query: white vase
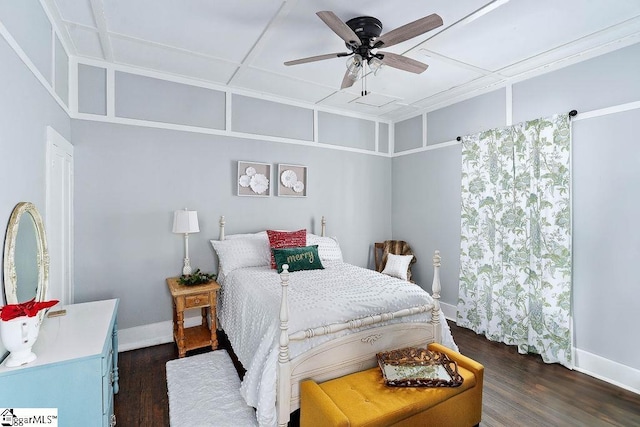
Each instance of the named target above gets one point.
<point>18,336</point>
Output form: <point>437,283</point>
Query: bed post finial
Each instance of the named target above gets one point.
<point>437,259</point>
<point>222,222</point>
<point>284,366</point>
<point>323,223</point>
<point>435,293</point>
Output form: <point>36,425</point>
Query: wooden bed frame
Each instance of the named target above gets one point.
<point>350,353</point>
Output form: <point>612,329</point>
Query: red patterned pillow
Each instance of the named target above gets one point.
<point>285,239</point>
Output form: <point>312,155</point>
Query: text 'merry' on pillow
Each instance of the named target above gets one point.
<point>300,258</point>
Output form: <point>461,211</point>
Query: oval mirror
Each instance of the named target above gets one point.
<point>26,259</point>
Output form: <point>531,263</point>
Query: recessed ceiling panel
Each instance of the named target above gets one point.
<point>171,61</point>
<point>458,93</point>
<point>403,111</point>
<point>374,100</point>
<point>77,11</point>
<point>439,77</point>
<point>273,84</point>
<point>629,33</point>
<point>371,104</point>
<point>516,31</point>
<point>224,29</point>
<point>339,99</point>
<point>86,41</point>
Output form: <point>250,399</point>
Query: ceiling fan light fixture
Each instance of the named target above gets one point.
<point>375,64</point>
<point>354,65</point>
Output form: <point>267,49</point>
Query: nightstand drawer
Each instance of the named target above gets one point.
<point>197,300</point>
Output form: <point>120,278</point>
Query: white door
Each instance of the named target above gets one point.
<point>59,216</point>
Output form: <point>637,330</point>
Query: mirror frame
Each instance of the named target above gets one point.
<point>10,276</point>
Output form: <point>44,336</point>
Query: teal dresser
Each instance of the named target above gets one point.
<point>76,370</point>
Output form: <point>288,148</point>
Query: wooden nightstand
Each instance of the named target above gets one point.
<point>197,296</point>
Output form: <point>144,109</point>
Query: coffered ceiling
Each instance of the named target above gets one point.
<point>243,43</point>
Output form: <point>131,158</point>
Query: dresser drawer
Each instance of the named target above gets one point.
<point>197,300</point>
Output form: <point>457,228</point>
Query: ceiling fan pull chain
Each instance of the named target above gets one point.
<point>364,79</point>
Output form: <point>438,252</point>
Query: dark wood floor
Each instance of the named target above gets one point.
<point>519,390</point>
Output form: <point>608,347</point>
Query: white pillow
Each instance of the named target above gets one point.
<point>241,252</point>
<point>328,247</point>
<point>397,265</point>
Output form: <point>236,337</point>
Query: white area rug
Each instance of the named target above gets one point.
<point>204,390</point>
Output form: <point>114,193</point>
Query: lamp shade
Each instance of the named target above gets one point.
<point>185,221</point>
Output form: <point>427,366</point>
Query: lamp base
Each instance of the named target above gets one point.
<point>186,270</point>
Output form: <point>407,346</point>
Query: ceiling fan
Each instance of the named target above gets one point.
<point>362,37</point>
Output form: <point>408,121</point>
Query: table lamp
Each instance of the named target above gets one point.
<point>185,222</point>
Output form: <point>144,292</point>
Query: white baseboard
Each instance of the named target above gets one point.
<point>449,311</point>
<point>150,335</point>
<point>607,370</point>
<point>593,365</point>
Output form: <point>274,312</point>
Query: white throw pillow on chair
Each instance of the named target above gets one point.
<point>397,265</point>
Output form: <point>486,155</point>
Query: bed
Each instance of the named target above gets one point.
<point>318,324</point>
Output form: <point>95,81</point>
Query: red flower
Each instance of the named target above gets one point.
<point>29,308</point>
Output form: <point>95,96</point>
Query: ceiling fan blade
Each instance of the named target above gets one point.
<point>317,58</point>
<point>347,81</point>
<point>409,30</point>
<point>339,27</point>
<point>403,63</point>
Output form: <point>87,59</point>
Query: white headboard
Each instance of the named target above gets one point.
<point>323,227</point>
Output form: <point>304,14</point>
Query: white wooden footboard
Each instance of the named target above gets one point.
<point>350,353</point>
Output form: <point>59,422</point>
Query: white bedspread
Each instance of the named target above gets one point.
<point>249,307</point>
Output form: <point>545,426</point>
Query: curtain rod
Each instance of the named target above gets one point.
<point>572,113</point>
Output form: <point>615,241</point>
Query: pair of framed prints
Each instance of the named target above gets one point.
<point>254,179</point>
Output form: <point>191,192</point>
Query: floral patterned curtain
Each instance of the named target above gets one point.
<point>515,272</point>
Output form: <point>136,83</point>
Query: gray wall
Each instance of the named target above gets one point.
<point>29,26</point>
<point>346,131</point>
<point>408,134</point>
<point>146,98</point>
<point>92,90</point>
<point>606,285</point>
<point>606,176</point>
<point>426,213</point>
<point>26,109</point>
<point>257,116</point>
<point>467,117</point>
<point>129,180</point>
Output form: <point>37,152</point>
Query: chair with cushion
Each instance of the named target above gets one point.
<point>401,259</point>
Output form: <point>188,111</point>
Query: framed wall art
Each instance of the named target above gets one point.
<point>254,179</point>
<point>292,180</point>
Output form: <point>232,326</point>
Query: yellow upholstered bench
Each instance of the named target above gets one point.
<point>362,399</point>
